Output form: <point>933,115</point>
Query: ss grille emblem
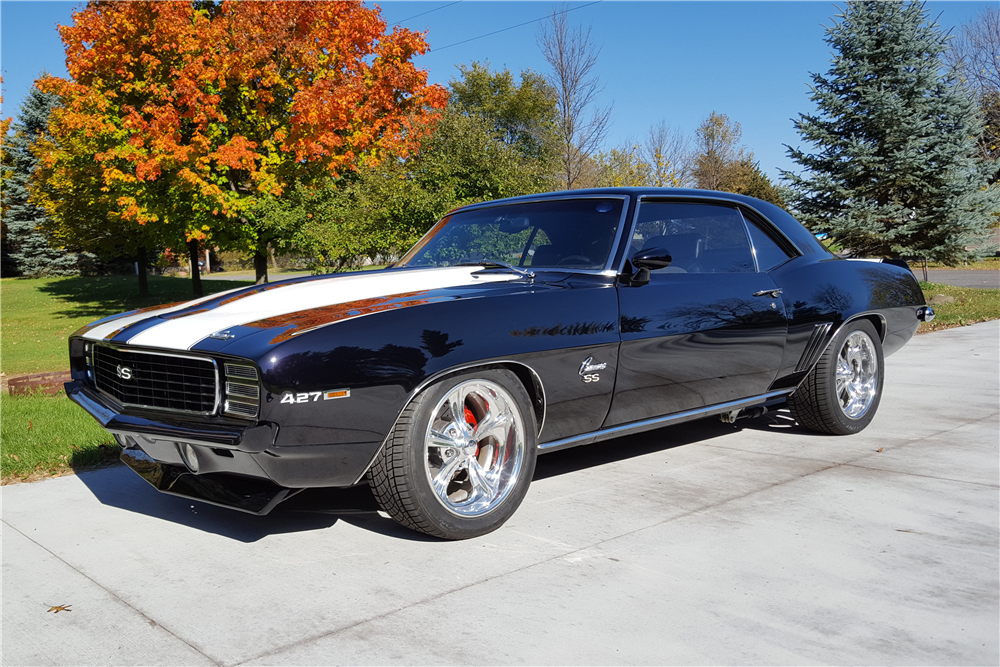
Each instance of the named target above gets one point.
<point>124,372</point>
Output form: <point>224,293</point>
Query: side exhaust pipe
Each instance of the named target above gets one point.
<point>745,413</point>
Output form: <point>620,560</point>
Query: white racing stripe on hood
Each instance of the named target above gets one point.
<point>184,332</point>
<point>105,330</point>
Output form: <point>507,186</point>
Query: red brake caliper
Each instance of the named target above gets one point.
<point>470,419</point>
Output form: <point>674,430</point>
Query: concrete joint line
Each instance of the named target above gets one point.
<point>854,462</point>
<point>307,640</point>
<point>830,466</point>
<point>116,597</point>
<point>914,474</point>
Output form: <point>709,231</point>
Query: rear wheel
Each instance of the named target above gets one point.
<point>460,457</point>
<point>842,392</point>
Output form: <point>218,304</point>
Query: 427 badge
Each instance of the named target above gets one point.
<point>313,396</point>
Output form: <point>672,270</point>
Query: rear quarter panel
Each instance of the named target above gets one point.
<point>833,290</point>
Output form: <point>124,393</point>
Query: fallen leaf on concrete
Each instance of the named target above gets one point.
<point>60,608</point>
<point>879,450</point>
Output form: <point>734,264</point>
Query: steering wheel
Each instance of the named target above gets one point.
<point>573,259</point>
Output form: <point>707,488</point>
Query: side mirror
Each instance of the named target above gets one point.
<point>652,258</point>
<point>645,261</point>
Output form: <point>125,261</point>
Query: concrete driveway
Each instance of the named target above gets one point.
<point>700,544</point>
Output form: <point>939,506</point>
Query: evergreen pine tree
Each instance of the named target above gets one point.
<point>896,172</point>
<point>26,250</point>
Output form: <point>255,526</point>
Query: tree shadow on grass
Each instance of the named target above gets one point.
<point>97,297</point>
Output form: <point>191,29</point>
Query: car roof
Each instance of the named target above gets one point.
<point>801,237</point>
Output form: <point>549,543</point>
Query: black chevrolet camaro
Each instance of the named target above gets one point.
<point>513,328</point>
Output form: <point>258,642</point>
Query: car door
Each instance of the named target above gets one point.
<point>709,328</point>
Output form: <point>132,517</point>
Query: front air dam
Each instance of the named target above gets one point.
<point>230,491</point>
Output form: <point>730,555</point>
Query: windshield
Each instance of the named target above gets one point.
<point>564,233</point>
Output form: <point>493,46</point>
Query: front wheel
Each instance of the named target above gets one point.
<point>842,392</point>
<point>460,457</point>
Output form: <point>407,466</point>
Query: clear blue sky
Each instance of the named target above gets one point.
<point>675,61</point>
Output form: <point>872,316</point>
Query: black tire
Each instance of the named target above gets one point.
<point>820,406</point>
<point>413,455</point>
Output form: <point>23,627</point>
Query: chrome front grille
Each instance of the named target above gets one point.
<point>242,391</point>
<point>240,371</point>
<point>156,380</point>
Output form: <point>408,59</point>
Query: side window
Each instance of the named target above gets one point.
<point>700,238</point>
<point>769,254</point>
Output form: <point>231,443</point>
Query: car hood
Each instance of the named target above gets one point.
<point>291,306</point>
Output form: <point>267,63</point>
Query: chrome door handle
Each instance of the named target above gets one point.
<point>773,293</point>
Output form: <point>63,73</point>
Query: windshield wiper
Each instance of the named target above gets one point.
<point>490,264</point>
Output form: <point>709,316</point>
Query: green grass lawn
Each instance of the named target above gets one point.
<point>37,315</point>
<point>985,264</point>
<point>971,305</point>
<point>49,435</point>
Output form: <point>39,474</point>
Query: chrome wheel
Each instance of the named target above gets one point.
<point>475,448</point>
<point>857,375</point>
<point>840,395</point>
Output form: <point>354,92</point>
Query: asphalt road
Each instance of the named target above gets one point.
<point>701,544</point>
<point>961,278</point>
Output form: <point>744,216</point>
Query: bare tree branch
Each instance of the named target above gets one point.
<point>572,57</point>
<point>975,56</point>
<point>975,52</point>
<point>668,153</point>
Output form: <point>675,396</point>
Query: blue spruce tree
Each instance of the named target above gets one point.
<point>26,250</point>
<point>896,172</point>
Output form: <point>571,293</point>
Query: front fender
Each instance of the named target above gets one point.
<point>376,364</point>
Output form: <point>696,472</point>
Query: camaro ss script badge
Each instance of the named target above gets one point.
<point>588,367</point>
<point>124,372</point>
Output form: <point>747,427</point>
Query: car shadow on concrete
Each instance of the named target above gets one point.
<point>627,447</point>
<point>619,449</point>
<point>318,509</point>
<point>313,509</point>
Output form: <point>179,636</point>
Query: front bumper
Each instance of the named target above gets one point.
<point>240,467</point>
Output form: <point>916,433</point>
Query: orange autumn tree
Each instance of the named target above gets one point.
<point>189,113</point>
